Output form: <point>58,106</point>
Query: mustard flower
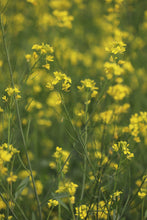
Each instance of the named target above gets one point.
<point>115,47</point>
<point>116,195</point>
<point>124,147</point>
<point>46,66</point>
<point>81,211</point>
<point>88,90</point>
<point>52,203</point>
<point>118,91</point>
<point>2,216</point>
<point>43,48</point>
<point>107,116</point>
<point>113,69</point>
<point>63,19</point>
<point>2,204</point>
<point>71,188</point>
<point>1,110</point>
<point>39,187</point>
<point>12,178</point>
<point>5,155</point>
<point>28,57</point>
<point>4,98</point>
<point>11,91</point>
<point>59,77</point>
<point>143,191</point>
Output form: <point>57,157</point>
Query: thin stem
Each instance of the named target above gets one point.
<point>59,211</point>
<point>9,126</point>
<point>77,134</point>
<point>19,118</point>
<point>85,158</point>
<point>72,211</point>
<point>142,208</point>
<point>49,213</point>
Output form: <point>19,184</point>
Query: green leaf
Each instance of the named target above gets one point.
<point>21,187</point>
<point>58,198</point>
<point>62,204</point>
<point>145,216</point>
<point>33,216</point>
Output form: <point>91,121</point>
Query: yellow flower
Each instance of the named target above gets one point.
<point>5,155</point>
<point>115,147</point>
<point>71,188</point>
<point>72,199</point>
<point>118,91</point>
<point>39,187</point>
<point>49,58</point>
<point>1,110</point>
<point>59,77</point>
<point>81,211</point>
<point>28,57</point>
<point>4,98</point>
<point>11,178</point>
<point>63,19</point>
<point>46,66</point>
<point>107,116</point>
<point>52,203</point>
<point>2,204</point>
<point>142,195</point>
<point>10,91</point>
<point>115,47</point>
<point>52,165</point>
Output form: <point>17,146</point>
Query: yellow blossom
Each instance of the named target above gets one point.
<point>82,211</point>
<point>115,47</point>
<point>118,91</point>
<point>52,203</point>
<point>46,66</point>
<point>28,57</point>
<point>1,110</point>
<point>4,98</point>
<point>11,178</point>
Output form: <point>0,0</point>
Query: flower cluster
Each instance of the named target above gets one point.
<point>82,211</point>
<point>43,50</point>
<point>61,160</point>
<point>10,92</point>
<point>123,147</point>
<point>88,89</point>
<point>137,126</point>
<point>59,78</point>
<point>115,47</point>
<point>143,190</point>
<point>107,116</point>
<point>118,91</point>
<point>52,203</point>
<point>69,188</point>
<point>6,154</point>
<point>63,19</point>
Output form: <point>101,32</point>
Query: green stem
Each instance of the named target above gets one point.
<point>9,126</point>
<point>72,211</point>
<point>77,134</point>
<point>50,213</point>
<point>142,208</point>
<point>9,133</point>
<point>59,212</point>
<point>85,158</point>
